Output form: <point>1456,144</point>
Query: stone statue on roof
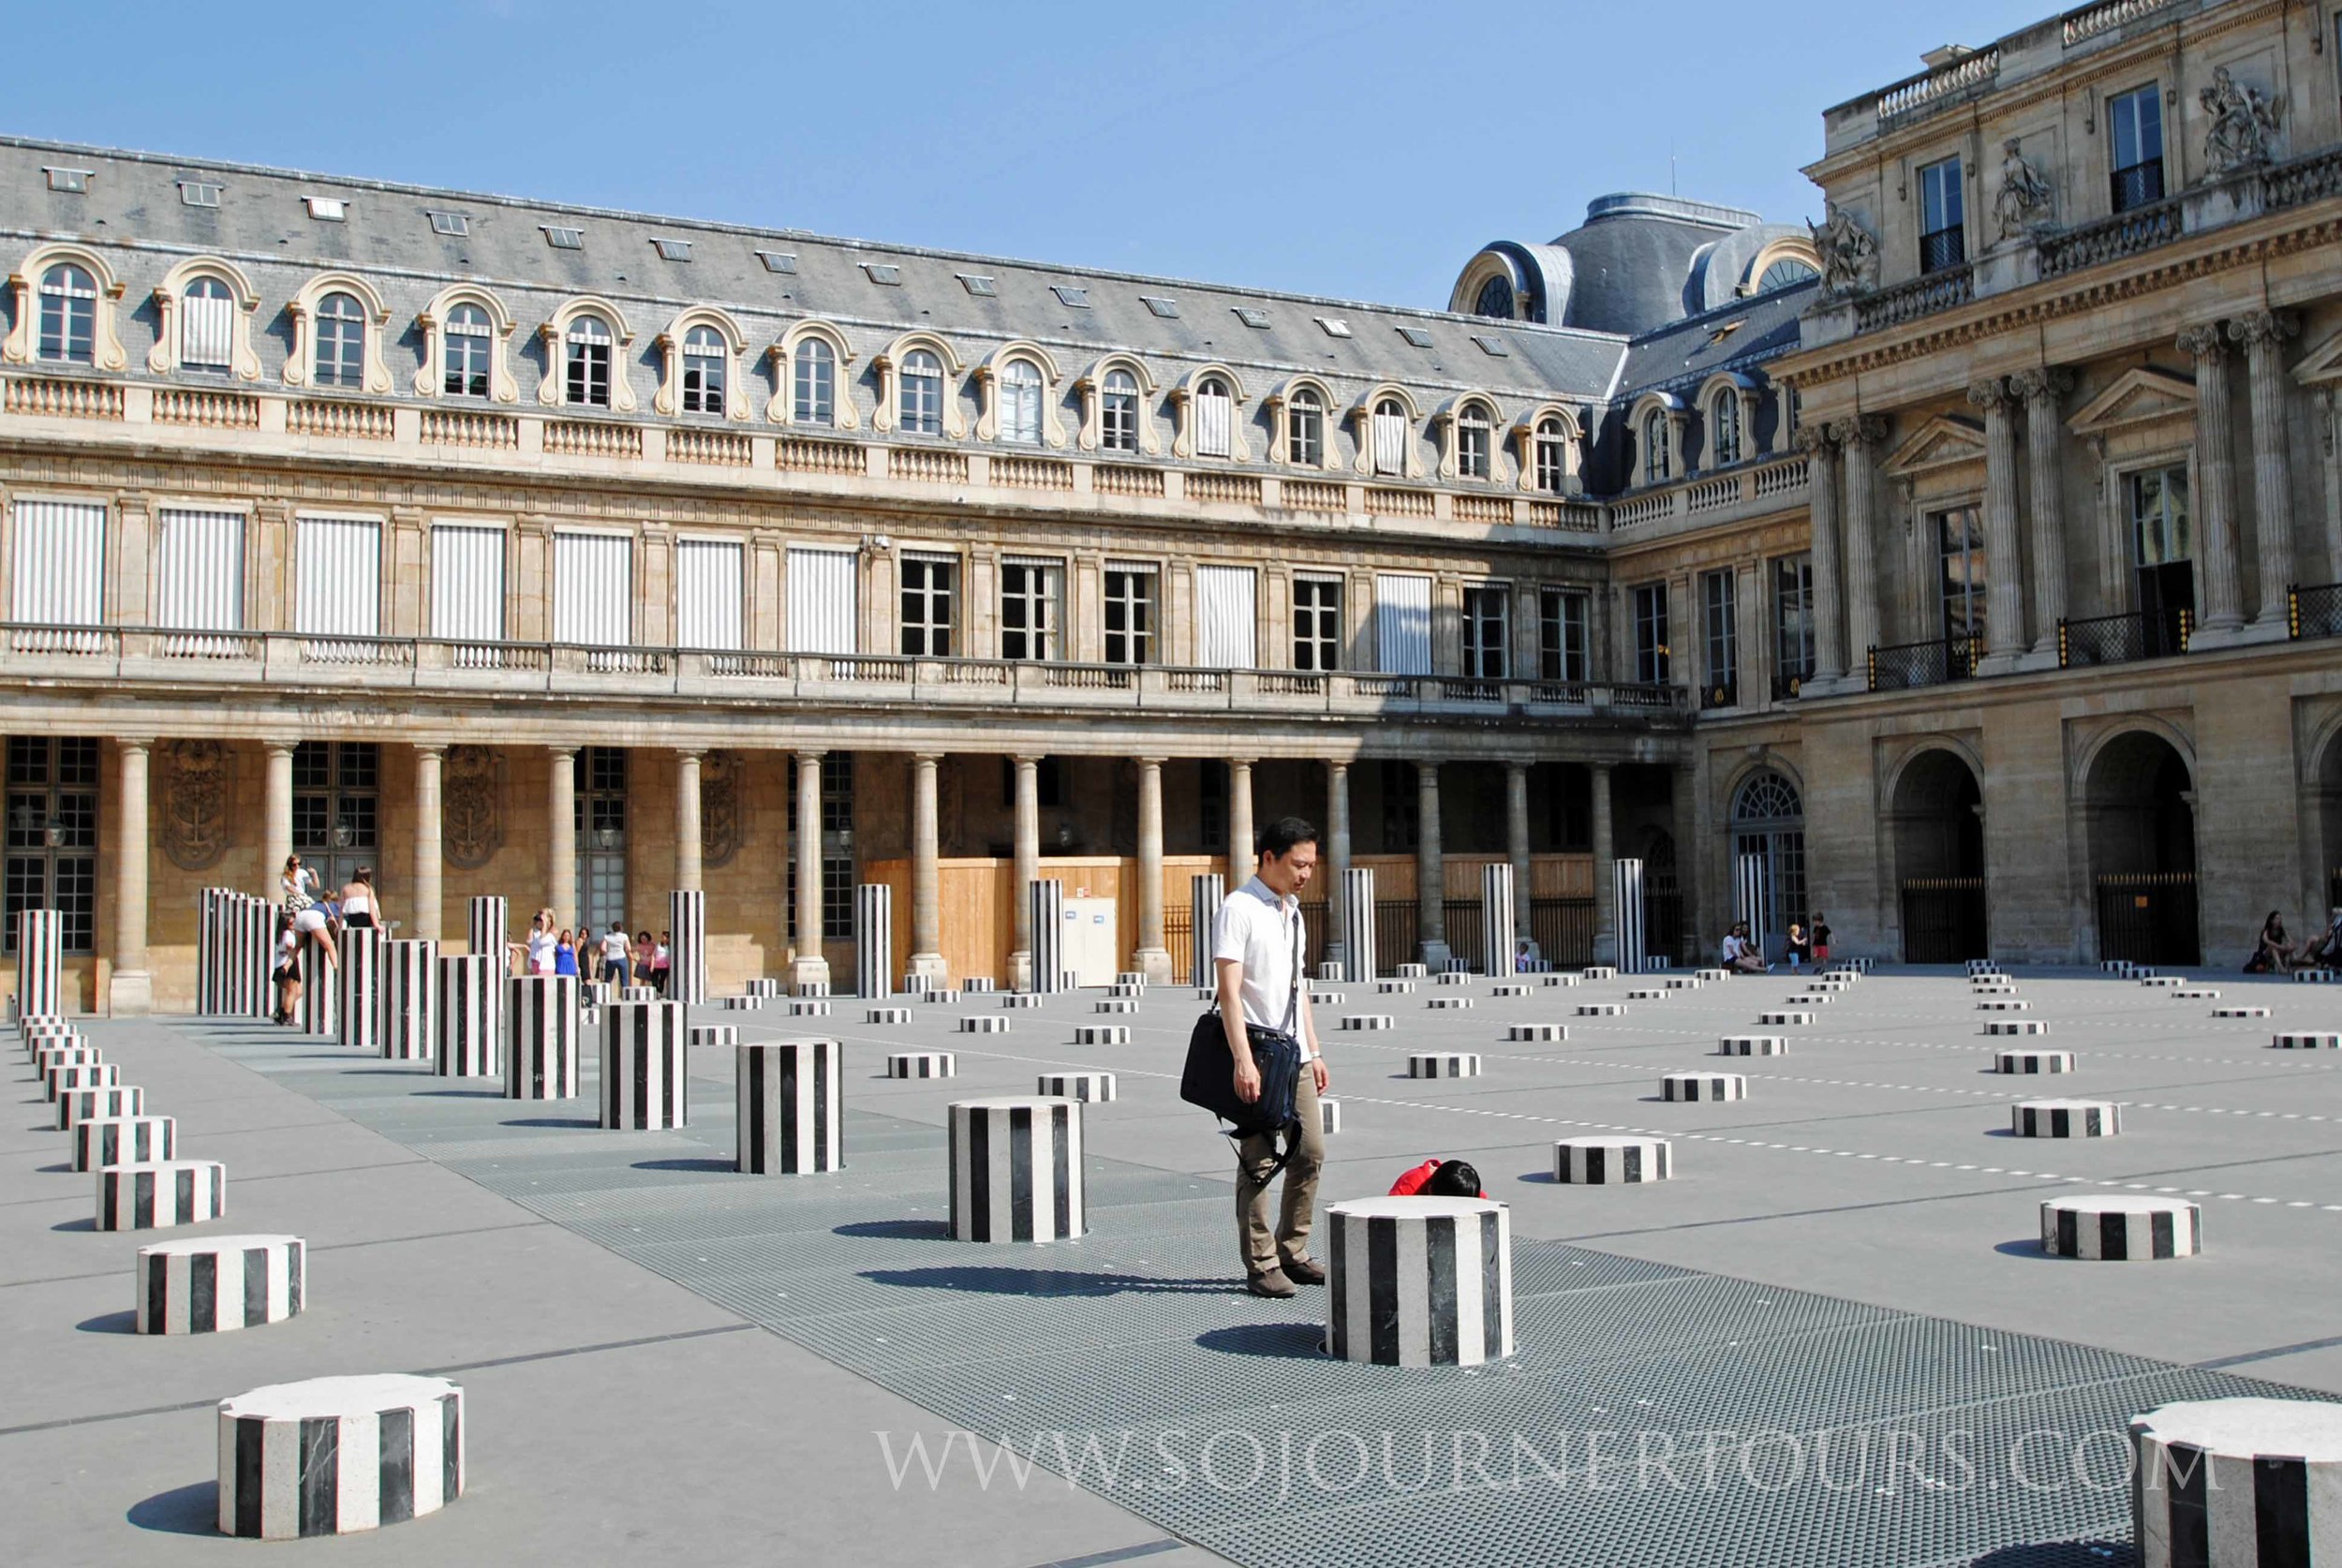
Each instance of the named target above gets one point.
<point>2243,122</point>
<point>1850,256</point>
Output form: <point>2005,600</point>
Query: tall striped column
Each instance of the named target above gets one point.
<point>211,964</point>
<point>466,1034</point>
<point>646,1065</point>
<point>320,989</point>
<point>1046,900</point>
<point>39,947</point>
<point>1205,890</point>
<point>874,942</point>
<point>1358,924</point>
<point>792,1102</point>
<point>1497,949</point>
<point>410,999</point>
<point>1626,885</point>
<point>1750,901</point>
<point>687,955</point>
<point>251,956</point>
<point>1016,1169</point>
<point>1420,1281</point>
<point>360,1000</point>
<point>488,928</point>
<point>333,1456</point>
<point>541,1037</point>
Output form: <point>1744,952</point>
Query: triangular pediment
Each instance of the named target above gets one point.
<point>2321,365</point>
<point>2137,396</point>
<point>1942,441</point>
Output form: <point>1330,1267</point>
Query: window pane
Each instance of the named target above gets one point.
<point>814,393</point>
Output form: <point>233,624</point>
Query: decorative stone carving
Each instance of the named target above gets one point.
<point>471,816</point>
<point>2025,201</point>
<point>719,807</point>
<point>196,790</point>
<point>2243,121</point>
<point>1849,254</point>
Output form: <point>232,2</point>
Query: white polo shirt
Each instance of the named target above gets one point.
<point>1257,929</point>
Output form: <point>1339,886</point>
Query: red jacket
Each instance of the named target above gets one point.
<point>1408,1185</point>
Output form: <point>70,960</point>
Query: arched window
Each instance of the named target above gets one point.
<point>1723,422</point>
<point>705,355</point>
<point>1473,431</point>
<point>207,325</point>
<point>1769,826</point>
<point>1785,274</point>
<point>1118,415</point>
<point>1305,430</point>
<point>1550,455</point>
<point>922,394</point>
<point>813,384</point>
<point>68,315</point>
<point>1020,403</point>
<point>470,345</point>
<point>1655,465</point>
<point>586,381</point>
<point>1215,414</point>
<point>1390,436</point>
<point>341,342</point>
<point>1496,298</point>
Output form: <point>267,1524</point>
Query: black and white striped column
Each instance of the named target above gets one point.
<point>2121,1227</point>
<point>1626,889</point>
<point>2237,1483</point>
<point>100,1141</point>
<point>220,1283</point>
<point>687,955</point>
<point>160,1194</point>
<point>540,1042</point>
<point>360,1004</point>
<point>1358,924</point>
<point>1419,1281</point>
<point>1703,1086</point>
<point>1600,1160</point>
<point>874,942</point>
<point>2065,1119</point>
<point>211,928</point>
<point>792,1102</point>
<point>234,940</point>
<point>76,1106</point>
<point>1444,1064</point>
<point>1044,901</point>
<point>335,1455</point>
<point>40,949</point>
<point>466,1034</point>
<point>488,929</point>
<point>1498,949</point>
<point>1750,897</point>
<point>411,999</point>
<point>922,1064</point>
<point>1087,1087</point>
<point>320,989</point>
<point>1016,1170</point>
<point>2033,1061</point>
<point>645,1066</point>
<point>64,1077</point>
<point>1205,890</point>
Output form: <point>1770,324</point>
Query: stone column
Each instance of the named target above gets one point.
<point>1154,958</point>
<point>2044,446</point>
<point>687,821</point>
<point>1430,870</point>
<point>2003,590</point>
<point>927,905</point>
<point>2216,600</point>
<point>1856,437</point>
<point>1517,842</point>
<point>1241,857</point>
<point>429,887</point>
<point>1605,894</point>
<point>809,966</point>
<point>277,816</point>
<point>1821,489</point>
<point>561,835</point>
<point>2262,333</point>
<point>130,992</point>
<point>1026,867</point>
<point>1335,857</point>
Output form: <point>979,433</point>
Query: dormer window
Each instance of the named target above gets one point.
<point>471,347</point>
<point>1496,298</point>
<point>705,355</point>
<point>585,370</point>
<point>1724,424</point>
<point>1656,464</point>
<point>813,384</point>
<point>207,325</point>
<point>451,226</point>
<point>1215,413</point>
<point>1550,456</point>
<point>1118,414</point>
<point>1305,430</point>
<point>68,315</point>
<point>1390,436</point>
<point>922,394</point>
<point>1020,403</point>
<point>1473,433</point>
<point>341,354</point>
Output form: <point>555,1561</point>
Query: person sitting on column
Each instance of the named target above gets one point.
<point>1255,950</point>
<point>1526,958</point>
<point>298,890</point>
<point>361,909</point>
<point>1440,1178</point>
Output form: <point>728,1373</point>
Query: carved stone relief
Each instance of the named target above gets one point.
<point>198,786</point>
<point>471,823</point>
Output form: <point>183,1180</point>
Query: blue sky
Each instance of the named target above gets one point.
<point>1362,150</point>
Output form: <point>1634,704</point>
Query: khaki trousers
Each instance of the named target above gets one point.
<point>1265,1249</point>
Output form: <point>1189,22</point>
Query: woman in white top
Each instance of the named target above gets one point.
<point>541,941</point>
<point>617,955</point>
<point>360,908</point>
<point>286,971</point>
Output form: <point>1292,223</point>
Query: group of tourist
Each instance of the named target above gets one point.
<point>2273,953</point>
<point>553,949</point>
<point>1745,954</point>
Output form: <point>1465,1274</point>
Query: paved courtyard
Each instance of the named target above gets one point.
<point>1830,1340</point>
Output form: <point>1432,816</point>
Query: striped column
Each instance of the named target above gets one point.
<point>411,999</point>
<point>2065,1119</point>
<point>141,1140</point>
<point>488,929</point>
<point>220,1283</point>
<point>160,1194</point>
<point>251,955</point>
<point>1497,948</point>
<point>791,1097</point>
<point>1205,892</point>
<point>1358,924</point>
<point>541,1037</point>
<point>1016,1170</point>
<point>646,1065</point>
<point>468,1033</point>
<point>2237,1483</point>
<point>211,968</point>
<point>1626,889</point>
<point>922,1064</point>
<point>360,1004</point>
<point>1046,897</point>
<point>333,1456</point>
<point>76,1106</point>
<point>2121,1227</point>
<point>1749,900</point>
<point>1600,1160</point>
<point>687,955</point>
<point>39,947</point>
<point>874,942</point>
<point>1420,1281</point>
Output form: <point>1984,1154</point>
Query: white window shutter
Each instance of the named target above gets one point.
<point>1391,443</point>
<point>198,580</point>
<point>824,606</point>
<point>338,584</point>
<point>1226,622</point>
<point>593,590</point>
<point>467,589</point>
<point>707,594</point>
<point>59,573</point>
<point>207,331</point>
<point>1213,415</point>
<point>1403,623</point>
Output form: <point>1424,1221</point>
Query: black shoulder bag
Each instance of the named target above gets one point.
<point>1210,1080</point>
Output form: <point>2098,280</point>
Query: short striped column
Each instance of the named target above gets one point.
<point>75,1053</point>
<point>792,1103</point>
<point>467,1037</point>
<point>886,1015</point>
<point>1206,891</point>
<point>410,999</point>
<point>1419,1281</point>
<point>234,940</point>
<point>361,985</point>
<point>645,1066</point>
<point>2064,1118</point>
<point>76,1106</point>
<point>686,953</point>
<point>336,1455</point>
<point>100,1141</point>
<point>1016,1169</point>
<point>1087,1087</point>
<point>1101,1034</point>
<point>2240,1010</point>
<point>1753,1045</point>
<point>1358,925</point>
<point>220,1283</point>
<point>2121,1227</point>
<point>1328,1117</point>
<point>1603,1159</point>
<point>984,1023</point>
<point>714,1034</point>
<point>160,1194</point>
<point>922,1064</point>
<point>2309,1041</point>
<point>1045,902</point>
<point>1537,1032</point>
<point>1784,1018</point>
<point>978,985</point>
<point>540,1042</point>
<point>39,953</point>
<point>488,929</point>
<point>874,942</point>
<point>1369,1021</point>
<point>2033,1061</point>
<point>1703,1086</point>
<point>2015,1026</point>
<point>1498,949</point>
<point>64,1077</point>
<point>2239,1483</point>
<point>1444,1064</point>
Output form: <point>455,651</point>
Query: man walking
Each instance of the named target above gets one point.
<point>1256,952</point>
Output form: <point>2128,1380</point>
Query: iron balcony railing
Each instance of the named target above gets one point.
<point>1724,693</point>
<point>2313,610</point>
<point>2138,185</point>
<point>1790,684</point>
<point>2124,639</point>
<point>1905,666</point>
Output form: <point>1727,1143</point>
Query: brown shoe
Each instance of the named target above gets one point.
<point>1272,1284</point>
<point>1303,1272</point>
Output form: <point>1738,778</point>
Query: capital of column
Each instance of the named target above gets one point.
<point>2203,343</point>
<point>282,747</point>
<point>2042,384</point>
<point>1814,440</point>
<point>135,743</point>
<point>689,753</point>
<point>2263,328</point>
<point>1858,432</point>
<point>430,748</point>
<point>562,750</point>
<point>1989,394</point>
